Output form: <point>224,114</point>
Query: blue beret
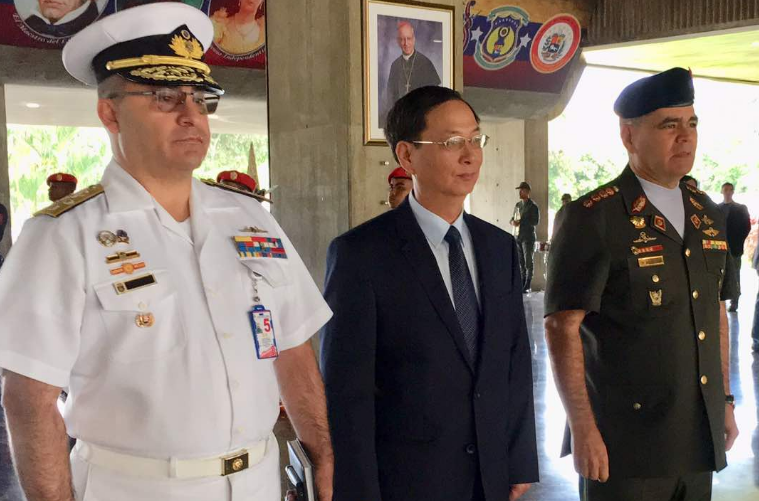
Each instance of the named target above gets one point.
<point>670,89</point>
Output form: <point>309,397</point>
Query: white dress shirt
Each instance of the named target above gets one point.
<point>191,385</point>
<point>435,228</point>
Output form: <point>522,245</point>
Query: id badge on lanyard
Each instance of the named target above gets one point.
<point>262,326</point>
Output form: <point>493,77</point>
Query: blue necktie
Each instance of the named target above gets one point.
<point>464,297</point>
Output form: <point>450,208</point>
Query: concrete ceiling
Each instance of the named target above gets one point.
<point>725,55</point>
<point>37,105</point>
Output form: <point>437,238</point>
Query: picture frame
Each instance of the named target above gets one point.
<point>406,45</point>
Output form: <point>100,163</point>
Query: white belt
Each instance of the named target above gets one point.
<point>217,466</point>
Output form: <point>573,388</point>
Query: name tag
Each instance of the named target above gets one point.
<point>645,262</point>
<point>262,326</point>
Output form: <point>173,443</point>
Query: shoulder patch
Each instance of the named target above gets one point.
<point>67,203</point>
<point>211,182</point>
<point>596,196</point>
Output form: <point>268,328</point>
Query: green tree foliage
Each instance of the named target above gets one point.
<point>712,175</point>
<point>576,176</point>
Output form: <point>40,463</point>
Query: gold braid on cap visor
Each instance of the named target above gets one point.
<point>156,60</point>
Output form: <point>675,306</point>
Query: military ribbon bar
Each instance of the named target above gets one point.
<point>715,245</point>
<point>250,247</point>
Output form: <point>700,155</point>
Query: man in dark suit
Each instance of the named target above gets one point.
<point>738,227</point>
<point>429,383</point>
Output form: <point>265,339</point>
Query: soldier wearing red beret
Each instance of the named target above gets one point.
<point>237,179</point>
<point>60,185</point>
<point>400,186</point>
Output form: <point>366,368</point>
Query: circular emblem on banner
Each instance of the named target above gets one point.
<point>555,43</point>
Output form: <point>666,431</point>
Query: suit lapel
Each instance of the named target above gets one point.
<point>422,262</point>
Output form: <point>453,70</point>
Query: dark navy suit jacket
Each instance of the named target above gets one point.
<point>411,416</point>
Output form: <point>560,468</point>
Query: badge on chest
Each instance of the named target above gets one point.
<point>262,326</point>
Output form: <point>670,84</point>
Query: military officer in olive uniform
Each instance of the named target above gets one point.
<point>635,321</point>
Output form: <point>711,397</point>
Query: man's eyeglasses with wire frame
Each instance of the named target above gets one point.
<point>457,143</point>
<point>168,99</point>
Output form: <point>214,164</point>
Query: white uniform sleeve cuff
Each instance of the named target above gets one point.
<point>34,369</point>
<point>310,327</point>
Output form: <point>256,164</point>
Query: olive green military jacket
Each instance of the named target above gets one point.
<point>651,334</point>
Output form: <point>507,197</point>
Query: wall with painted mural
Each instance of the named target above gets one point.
<point>239,25</point>
<point>525,45</point>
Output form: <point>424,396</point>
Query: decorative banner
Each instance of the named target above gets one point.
<point>239,25</point>
<point>505,48</point>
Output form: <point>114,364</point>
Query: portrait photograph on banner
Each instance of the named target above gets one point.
<point>406,46</point>
<point>55,21</point>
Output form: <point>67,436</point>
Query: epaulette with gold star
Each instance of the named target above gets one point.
<point>600,194</point>
<point>67,203</point>
<point>211,182</point>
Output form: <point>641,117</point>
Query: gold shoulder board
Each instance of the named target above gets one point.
<point>211,182</point>
<point>65,204</point>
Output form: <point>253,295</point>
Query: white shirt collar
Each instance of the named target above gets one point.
<point>65,19</point>
<point>409,56</point>
<point>435,227</point>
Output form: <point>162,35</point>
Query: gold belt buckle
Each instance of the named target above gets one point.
<point>234,464</point>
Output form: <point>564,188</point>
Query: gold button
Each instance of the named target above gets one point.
<point>655,279</point>
<point>687,252</point>
<point>702,335</point>
<point>704,379</point>
<point>637,406</point>
<point>237,464</point>
<point>695,294</point>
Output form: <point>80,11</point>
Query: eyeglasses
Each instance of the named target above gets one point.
<point>456,143</point>
<point>168,99</point>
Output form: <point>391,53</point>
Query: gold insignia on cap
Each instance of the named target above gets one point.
<point>233,176</point>
<point>188,47</point>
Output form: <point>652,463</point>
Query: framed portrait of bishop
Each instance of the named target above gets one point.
<point>407,45</point>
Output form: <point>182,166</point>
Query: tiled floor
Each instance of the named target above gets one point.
<point>739,482</point>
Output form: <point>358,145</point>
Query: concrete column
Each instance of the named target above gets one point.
<point>503,164</point>
<point>309,57</point>
<point>5,194</point>
<point>536,173</point>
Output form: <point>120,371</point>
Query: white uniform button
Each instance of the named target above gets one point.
<point>227,335</point>
<point>210,292</point>
<point>239,430</point>
<point>637,406</point>
<point>234,384</point>
<point>142,306</point>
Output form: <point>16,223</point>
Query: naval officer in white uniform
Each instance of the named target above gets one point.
<point>174,312</point>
